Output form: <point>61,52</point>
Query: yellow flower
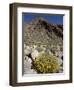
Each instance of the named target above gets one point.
<point>46,63</point>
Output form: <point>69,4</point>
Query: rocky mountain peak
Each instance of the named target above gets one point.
<point>40,31</point>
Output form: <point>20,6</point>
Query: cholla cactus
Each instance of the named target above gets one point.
<point>46,63</point>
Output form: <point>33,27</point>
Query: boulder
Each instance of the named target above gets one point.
<point>27,50</point>
<point>34,54</point>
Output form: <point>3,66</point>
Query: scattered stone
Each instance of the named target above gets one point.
<point>60,61</point>
<point>35,54</point>
<point>30,71</point>
<point>31,53</point>
<point>27,50</point>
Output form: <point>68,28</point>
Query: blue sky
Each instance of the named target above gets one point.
<point>54,19</point>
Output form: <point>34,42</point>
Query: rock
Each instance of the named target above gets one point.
<point>61,70</point>
<point>27,50</point>
<point>30,71</point>
<point>34,54</point>
<point>30,60</point>
<point>33,71</point>
<point>60,61</point>
<point>27,64</point>
<point>60,54</point>
<point>43,47</point>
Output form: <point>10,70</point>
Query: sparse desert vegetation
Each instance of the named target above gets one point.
<point>43,47</point>
<point>46,63</point>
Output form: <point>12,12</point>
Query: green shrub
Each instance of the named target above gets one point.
<point>46,63</point>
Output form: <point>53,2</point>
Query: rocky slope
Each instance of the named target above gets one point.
<point>42,37</point>
<point>39,31</point>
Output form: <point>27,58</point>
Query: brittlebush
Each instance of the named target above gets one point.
<point>46,63</point>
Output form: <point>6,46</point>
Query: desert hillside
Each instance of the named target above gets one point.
<point>39,31</point>
<point>43,47</point>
